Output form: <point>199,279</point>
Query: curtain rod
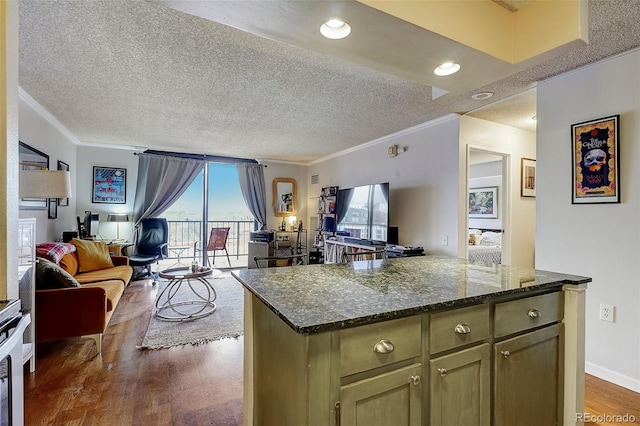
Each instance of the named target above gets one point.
<point>204,157</point>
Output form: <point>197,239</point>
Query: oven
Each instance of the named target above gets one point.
<point>12,326</point>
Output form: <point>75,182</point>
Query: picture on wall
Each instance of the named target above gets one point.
<point>65,167</point>
<point>527,177</point>
<point>483,202</point>
<point>109,185</point>
<point>32,159</point>
<point>53,208</point>
<point>596,161</point>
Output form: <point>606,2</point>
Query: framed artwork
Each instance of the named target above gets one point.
<point>596,161</point>
<point>483,203</point>
<point>527,177</point>
<point>53,208</point>
<point>109,185</point>
<point>32,159</point>
<point>63,166</point>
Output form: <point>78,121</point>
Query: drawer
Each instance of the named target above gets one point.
<point>375,345</point>
<point>522,314</point>
<point>458,327</point>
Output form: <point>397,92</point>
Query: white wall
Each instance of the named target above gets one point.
<point>39,133</point>
<point>423,181</point>
<point>286,170</point>
<point>495,137</point>
<point>90,156</point>
<point>599,241</point>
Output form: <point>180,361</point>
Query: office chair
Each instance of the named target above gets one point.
<point>150,247</point>
<point>217,241</point>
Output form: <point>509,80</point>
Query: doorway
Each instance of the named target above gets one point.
<point>488,206</point>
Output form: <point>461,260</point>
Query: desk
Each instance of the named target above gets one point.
<point>115,249</point>
<point>170,308</point>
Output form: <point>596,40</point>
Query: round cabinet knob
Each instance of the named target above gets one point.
<point>415,380</point>
<point>534,313</point>
<point>442,371</point>
<point>462,329</point>
<point>383,347</point>
<point>505,354</point>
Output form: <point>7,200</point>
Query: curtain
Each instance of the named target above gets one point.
<point>161,181</point>
<point>251,177</point>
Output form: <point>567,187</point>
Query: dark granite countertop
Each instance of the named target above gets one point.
<point>317,298</point>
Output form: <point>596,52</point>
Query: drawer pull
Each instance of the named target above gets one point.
<point>462,329</point>
<point>505,354</point>
<point>414,380</point>
<point>442,371</point>
<point>383,347</point>
<point>534,313</point>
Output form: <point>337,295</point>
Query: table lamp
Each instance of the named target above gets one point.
<point>118,217</point>
<point>44,184</point>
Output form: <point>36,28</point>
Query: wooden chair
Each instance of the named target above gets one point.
<point>217,241</point>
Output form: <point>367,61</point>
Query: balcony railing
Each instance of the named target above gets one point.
<point>185,233</point>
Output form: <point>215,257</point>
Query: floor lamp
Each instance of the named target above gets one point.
<point>119,218</point>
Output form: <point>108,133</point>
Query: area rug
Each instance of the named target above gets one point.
<point>225,322</point>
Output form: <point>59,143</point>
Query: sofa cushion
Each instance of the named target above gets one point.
<point>92,255</point>
<point>54,251</point>
<point>69,263</point>
<point>113,290</point>
<point>49,276</point>
<point>122,273</point>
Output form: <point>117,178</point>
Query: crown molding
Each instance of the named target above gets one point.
<point>388,138</point>
<point>47,116</point>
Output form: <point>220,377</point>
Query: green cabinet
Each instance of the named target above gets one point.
<point>392,398</point>
<point>528,378</point>
<point>460,388</point>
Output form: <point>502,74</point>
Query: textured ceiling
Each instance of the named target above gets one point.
<point>137,73</point>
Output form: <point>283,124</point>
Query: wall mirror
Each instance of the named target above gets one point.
<point>284,196</point>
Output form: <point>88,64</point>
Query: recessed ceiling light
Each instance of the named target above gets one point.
<point>447,68</point>
<point>481,96</point>
<point>335,29</point>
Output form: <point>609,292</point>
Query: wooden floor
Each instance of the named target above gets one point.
<point>187,385</point>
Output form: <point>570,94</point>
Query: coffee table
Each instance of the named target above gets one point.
<point>201,302</point>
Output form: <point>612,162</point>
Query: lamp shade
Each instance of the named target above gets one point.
<point>117,217</point>
<point>45,184</point>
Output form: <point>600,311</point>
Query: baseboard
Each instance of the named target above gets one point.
<point>612,376</point>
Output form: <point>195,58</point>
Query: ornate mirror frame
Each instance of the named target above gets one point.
<point>284,206</point>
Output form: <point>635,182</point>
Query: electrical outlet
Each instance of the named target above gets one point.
<point>393,150</point>
<point>444,240</point>
<point>607,312</point>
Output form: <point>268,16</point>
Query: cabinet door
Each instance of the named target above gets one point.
<point>460,388</point>
<point>528,379</point>
<point>392,398</point>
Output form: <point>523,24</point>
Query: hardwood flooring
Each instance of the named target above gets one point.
<point>186,385</point>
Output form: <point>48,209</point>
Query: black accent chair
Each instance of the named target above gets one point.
<point>151,246</point>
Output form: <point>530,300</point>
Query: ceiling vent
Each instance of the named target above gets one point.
<point>315,179</point>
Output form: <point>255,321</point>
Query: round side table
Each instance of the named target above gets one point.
<point>202,302</point>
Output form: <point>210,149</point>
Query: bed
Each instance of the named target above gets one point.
<point>485,245</point>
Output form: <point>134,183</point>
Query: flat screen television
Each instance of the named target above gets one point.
<point>363,212</point>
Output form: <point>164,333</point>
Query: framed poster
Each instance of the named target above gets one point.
<point>483,203</point>
<point>63,166</point>
<point>596,161</point>
<point>32,159</point>
<point>109,185</point>
<point>527,177</point>
<point>53,208</point>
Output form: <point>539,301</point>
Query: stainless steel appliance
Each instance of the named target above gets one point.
<point>12,327</point>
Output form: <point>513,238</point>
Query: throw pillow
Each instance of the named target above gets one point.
<point>54,251</point>
<point>472,239</point>
<point>92,255</point>
<point>49,276</point>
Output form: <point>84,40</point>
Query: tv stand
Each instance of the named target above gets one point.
<point>334,250</point>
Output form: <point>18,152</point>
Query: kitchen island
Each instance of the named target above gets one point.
<point>426,340</point>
